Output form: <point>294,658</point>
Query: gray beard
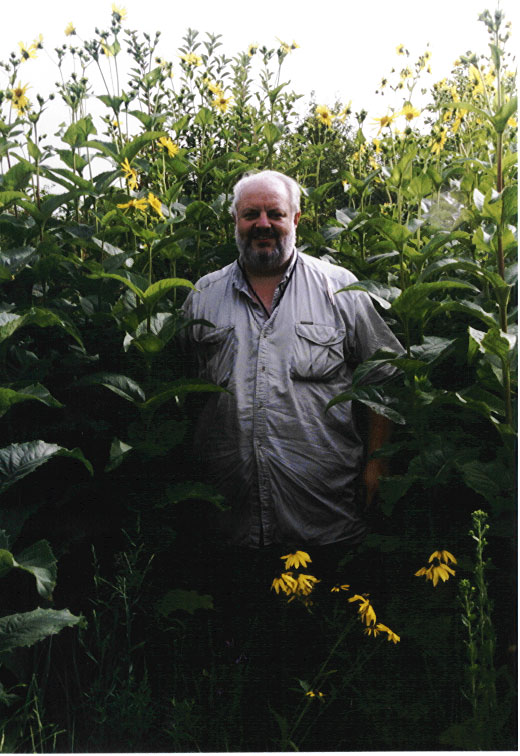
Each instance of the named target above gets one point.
<point>263,263</point>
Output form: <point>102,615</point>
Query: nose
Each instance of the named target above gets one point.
<point>263,220</point>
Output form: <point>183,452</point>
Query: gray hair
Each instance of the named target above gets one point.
<point>292,186</point>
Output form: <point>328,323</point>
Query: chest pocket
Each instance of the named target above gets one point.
<point>318,352</point>
<point>216,350</point>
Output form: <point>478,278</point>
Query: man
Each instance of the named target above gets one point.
<point>283,343</point>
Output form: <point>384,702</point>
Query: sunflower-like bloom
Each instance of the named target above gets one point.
<point>119,12</point>
<point>155,204</point>
<point>138,204</point>
<point>191,59</point>
<point>251,50</point>
<point>324,115</point>
<point>70,29</point>
<point>298,559</point>
<point>373,630</point>
<point>400,49</point>
<point>385,121</point>
<point>221,103</point>
<point>168,145</point>
<point>19,99</point>
<point>130,174</point>
<point>365,609</point>
<point>410,112</point>
<point>337,588</point>
<point>317,694</point>
<point>27,51</point>
<point>214,87</point>
<point>285,583</point>
<point>391,635</point>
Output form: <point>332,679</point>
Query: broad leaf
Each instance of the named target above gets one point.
<point>9,397</point>
<point>17,630</point>
<point>19,460</point>
<point>39,561</point>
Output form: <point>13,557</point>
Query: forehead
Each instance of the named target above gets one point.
<point>264,194</point>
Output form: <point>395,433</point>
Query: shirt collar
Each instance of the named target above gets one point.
<point>240,283</point>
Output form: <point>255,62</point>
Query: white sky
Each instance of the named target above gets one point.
<point>346,46</point>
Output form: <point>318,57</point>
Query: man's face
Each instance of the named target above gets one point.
<point>265,227</point>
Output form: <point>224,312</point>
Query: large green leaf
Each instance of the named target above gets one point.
<point>409,301</point>
<point>159,289</point>
<point>39,561</point>
<point>372,397</point>
<point>38,316</point>
<point>19,460</point>
<point>17,630</point>
<point>77,134</point>
<point>9,397</point>
<point>131,149</point>
<point>383,294</point>
<point>121,385</point>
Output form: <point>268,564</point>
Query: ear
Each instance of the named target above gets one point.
<point>297,217</point>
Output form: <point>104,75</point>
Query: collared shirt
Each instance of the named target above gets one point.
<point>286,465</point>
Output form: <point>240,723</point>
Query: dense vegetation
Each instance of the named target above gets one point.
<point>103,230</point>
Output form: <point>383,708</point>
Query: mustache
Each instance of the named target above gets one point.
<point>263,233</point>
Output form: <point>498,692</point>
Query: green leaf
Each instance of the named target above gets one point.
<point>476,476</point>
<point>180,600</point>
<point>131,149</point>
<point>121,385</point>
<point>6,562</point>
<point>39,561</point>
<point>116,277</point>
<point>9,397</point>
<point>19,460</point>
<point>381,293</point>
<point>507,110</point>
<point>204,117</point>
<point>17,259</point>
<point>10,322</point>
<point>77,134</point>
<point>397,233</point>
<point>272,134</point>
<point>179,388</point>
<point>408,303</point>
<point>17,630</point>
<point>10,196</point>
<point>118,451</point>
<point>372,397</point>
<point>159,289</point>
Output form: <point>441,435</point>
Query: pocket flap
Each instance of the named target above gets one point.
<point>324,335</point>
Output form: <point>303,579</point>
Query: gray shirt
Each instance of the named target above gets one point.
<point>286,466</point>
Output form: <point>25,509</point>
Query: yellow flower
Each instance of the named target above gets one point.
<point>406,73</point>
<point>155,204</point>
<point>119,13</point>
<point>391,635</point>
<point>213,87</point>
<point>306,584</point>
<point>27,51</point>
<point>38,42</point>
<point>312,694</point>
<point>167,143</point>
<point>191,59</point>
<point>337,588</point>
<point>138,204</point>
<point>377,144</point>
<point>435,572</point>
<point>252,49</point>
<point>400,49</point>
<point>285,583</point>
<point>284,47</point>
<point>372,630</point>
<point>324,115</point>
<point>443,556</point>
<point>409,111</point>
<point>70,30</point>
<point>438,142</point>
<point>347,110</point>
<point>130,174</point>
<point>221,103</point>
<point>385,121</point>
<point>298,559</point>
<point>19,99</point>
<point>512,122</point>
<point>365,609</point>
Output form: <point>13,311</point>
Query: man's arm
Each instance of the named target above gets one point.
<point>379,431</point>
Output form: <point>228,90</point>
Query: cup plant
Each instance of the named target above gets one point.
<point>105,225</point>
